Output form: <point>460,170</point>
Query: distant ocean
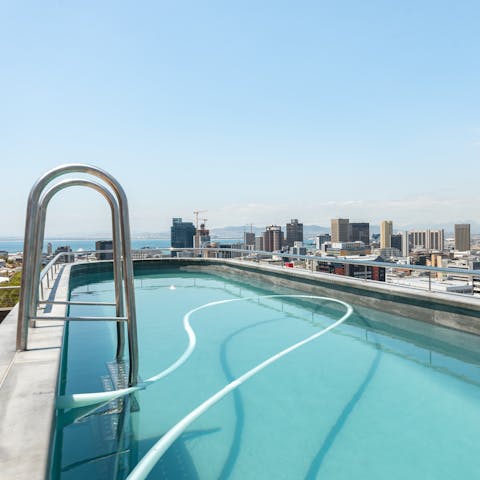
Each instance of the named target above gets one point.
<point>13,246</point>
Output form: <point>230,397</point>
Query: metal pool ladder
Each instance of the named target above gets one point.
<point>122,258</point>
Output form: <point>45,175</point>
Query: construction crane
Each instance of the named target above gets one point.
<point>197,237</point>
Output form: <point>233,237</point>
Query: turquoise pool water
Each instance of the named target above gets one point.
<point>379,397</point>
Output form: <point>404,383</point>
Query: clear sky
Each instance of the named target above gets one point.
<point>257,112</point>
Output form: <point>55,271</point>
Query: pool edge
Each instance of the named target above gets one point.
<point>28,390</point>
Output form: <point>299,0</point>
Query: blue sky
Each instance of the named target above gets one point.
<point>257,112</point>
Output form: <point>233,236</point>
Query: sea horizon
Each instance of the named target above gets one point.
<point>76,244</point>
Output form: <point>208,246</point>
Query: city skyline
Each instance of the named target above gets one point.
<point>256,113</point>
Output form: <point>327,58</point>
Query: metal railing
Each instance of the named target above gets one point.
<point>32,278</point>
<point>422,272</point>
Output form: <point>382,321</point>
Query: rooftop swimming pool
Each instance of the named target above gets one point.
<point>379,396</point>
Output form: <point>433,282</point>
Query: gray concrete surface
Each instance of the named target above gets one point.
<point>27,392</point>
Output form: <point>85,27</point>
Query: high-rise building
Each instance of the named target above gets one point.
<point>462,237</point>
<point>272,238</point>
<point>359,232</point>
<point>340,229</point>
<point>104,245</point>
<point>437,241</point>
<point>396,241</point>
<point>426,239</point>
<point>386,230</point>
<point>181,234</point>
<point>405,244</point>
<point>294,232</point>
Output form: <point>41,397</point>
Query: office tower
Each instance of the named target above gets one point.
<point>405,244</point>
<point>49,249</point>
<point>462,237</point>
<point>339,229</point>
<point>396,241</point>
<point>272,238</point>
<point>386,230</point>
<point>181,234</point>
<point>322,238</point>
<point>359,232</point>
<point>249,239</point>
<point>259,243</point>
<point>436,240</point>
<point>294,232</point>
<point>418,239</point>
<point>426,239</point>
<point>104,245</point>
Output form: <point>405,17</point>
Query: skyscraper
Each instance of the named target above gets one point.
<point>360,232</point>
<point>294,232</point>
<point>340,229</point>
<point>462,237</point>
<point>181,234</point>
<point>426,239</point>
<point>397,241</point>
<point>386,230</point>
<point>272,238</point>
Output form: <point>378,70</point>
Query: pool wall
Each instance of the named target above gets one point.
<point>460,312</point>
<point>447,310</point>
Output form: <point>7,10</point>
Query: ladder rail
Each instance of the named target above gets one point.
<point>33,241</point>
<point>116,238</point>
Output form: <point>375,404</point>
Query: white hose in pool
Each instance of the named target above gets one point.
<point>84,399</point>
<point>146,464</point>
<point>150,459</point>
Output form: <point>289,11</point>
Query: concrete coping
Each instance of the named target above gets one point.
<point>28,382</point>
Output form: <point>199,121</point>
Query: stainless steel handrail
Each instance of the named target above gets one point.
<point>116,237</point>
<point>34,232</point>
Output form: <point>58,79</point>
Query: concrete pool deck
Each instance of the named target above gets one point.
<point>28,380</point>
<point>28,383</point>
